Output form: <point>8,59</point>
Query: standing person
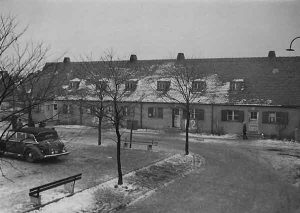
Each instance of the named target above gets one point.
<point>244,131</point>
<point>19,124</point>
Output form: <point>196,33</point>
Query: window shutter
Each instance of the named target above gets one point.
<point>282,117</point>
<point>150,112</point>
<point>160,112</point>
<point>241,116</point>
<point>71,109</point>
<point>224,115</point>
<point>286,117</point>
<point>199,114</point>
<point>194,86</point>
<point>158,86</point>
<point>184,114</point>
<point>65,109</point>
<point>265,117</point>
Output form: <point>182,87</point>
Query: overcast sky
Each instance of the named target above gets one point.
<point>160,29</point>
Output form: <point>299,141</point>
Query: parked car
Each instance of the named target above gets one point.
<point>33,143</point>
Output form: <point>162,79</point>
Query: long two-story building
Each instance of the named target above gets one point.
<point>262,92</point>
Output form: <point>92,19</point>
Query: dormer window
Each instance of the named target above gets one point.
<point>102,85</point>
<point>198,86</point>
<point>237,85</point>
<point>163,85</point>
<point>74,84</point>
<point>131,85</point>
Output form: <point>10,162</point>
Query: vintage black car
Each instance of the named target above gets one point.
<point>33,143</point>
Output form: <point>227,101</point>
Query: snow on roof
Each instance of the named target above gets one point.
<point>238,80</point>
<point>75,80</point>
<point>199,79</point>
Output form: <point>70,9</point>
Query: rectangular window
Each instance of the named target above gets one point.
<point>74,85</point>
<point>37,108</point>
<point>163,85</point>
<point>92,110</point>
<point>253,116</point>
<point>101,86</point>
<point>55,106</point>
<point>155,112</point>
<point>272,117</point>
<point>232,115</point>
<point>197,114</point>
<point>237,85</point>
<point>130,85</point>
<point>108,109</point>
<point>198,86</point>
<point>128,111</point>
<point>275,117</point>
<point>67,109</point>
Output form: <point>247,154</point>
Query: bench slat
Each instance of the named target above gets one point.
<point>142,142</point>
<point>44,188</point>
<point>54,184</point>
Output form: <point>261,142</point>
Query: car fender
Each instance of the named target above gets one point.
<point>36,151</point>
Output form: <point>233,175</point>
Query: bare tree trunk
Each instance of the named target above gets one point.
<point>187,129</point>
<point>117,126</point>
<point>30,119</point>
<point>120,176</point>
<point>99,131</point>
<point>131,127</point>
<point>80,112</point>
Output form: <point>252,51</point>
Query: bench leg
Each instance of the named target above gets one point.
<point>149,147</point>
<point>36,200</point>
<point>69,187</point>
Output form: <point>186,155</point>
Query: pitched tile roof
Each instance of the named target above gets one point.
<point>267,81</point>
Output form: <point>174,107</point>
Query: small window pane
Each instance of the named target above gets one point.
<point>272,117</point>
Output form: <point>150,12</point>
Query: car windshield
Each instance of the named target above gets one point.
<point>46,135</point>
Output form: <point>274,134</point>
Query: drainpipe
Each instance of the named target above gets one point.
<point>212,119</point>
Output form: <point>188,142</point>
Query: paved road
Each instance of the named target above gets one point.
<point>232,180</point>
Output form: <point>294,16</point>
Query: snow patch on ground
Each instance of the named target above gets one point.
<point>73,127</point>
<point>195,135</point>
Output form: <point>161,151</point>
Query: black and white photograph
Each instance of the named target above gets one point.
<point>150,106</point>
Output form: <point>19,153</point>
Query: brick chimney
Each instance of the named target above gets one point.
<point>180,57</point>
<point>67,60</point>
<point>133,58</point>
<point>272,54</point>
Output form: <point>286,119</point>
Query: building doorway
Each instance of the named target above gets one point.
<point>253,121</point>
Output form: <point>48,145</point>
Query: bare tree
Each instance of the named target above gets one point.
<point>117,74</point>
<point>19,62</point>
<point>97,85</point>
<point>183,89</point>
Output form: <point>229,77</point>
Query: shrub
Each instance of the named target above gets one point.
<point>109,197</point>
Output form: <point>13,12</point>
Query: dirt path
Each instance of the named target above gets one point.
<point>233,180</point>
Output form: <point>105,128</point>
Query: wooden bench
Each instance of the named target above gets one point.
<point>68,183</point>
<point>149,144</point>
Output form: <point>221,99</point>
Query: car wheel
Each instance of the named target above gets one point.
<point>30,156</point>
